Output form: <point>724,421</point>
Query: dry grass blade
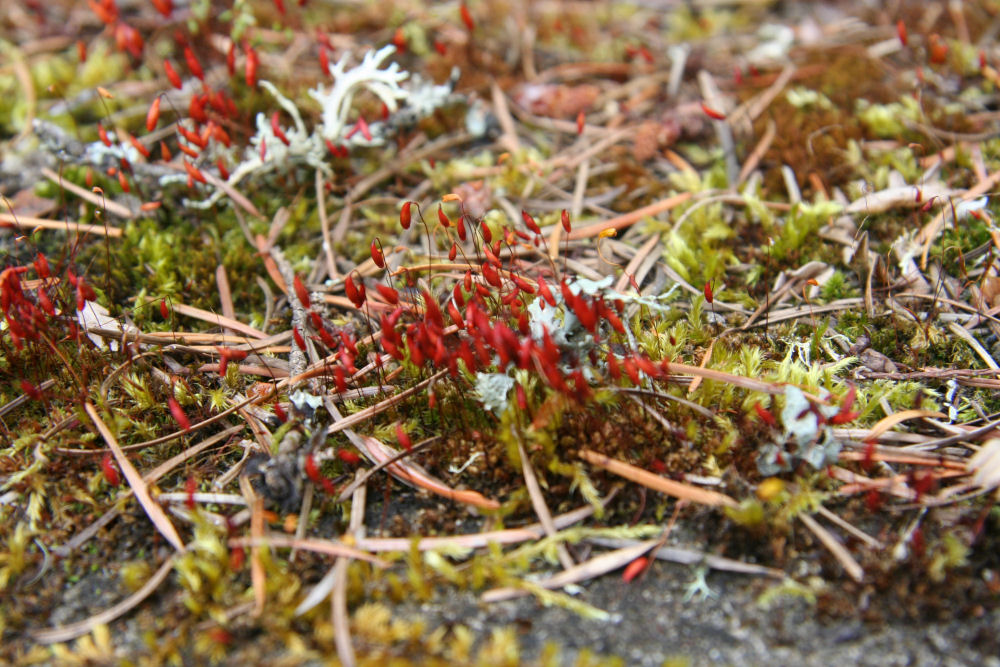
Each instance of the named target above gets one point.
<point>475,540</point>
<point>985,465</point>
<point>851,566</point>
<point>694,557</point>
<point>97,200</point>
<point>887,423</point>
<point>218,320</point>
<point>594,567</point>
<point>328,547</point>
<point>27,222</point>
<point>135,480</point>
<point>657,483</point>
<point>378,452</point>
<point>74,630</point>
<point>629,219</point>
<point>338,602</point>
<point>539,505</point>
<point>735,380</point>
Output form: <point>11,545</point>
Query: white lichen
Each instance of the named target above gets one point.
<point>267,152</point>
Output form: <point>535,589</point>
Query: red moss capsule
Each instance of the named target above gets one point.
<point>178,414</point>
<point>231,59</point>
<point>564,218</point>
<point>165,7</point>
<point>301,292</point>
<point>251,67</point>
<point>339,380</point>
<point>529,222</point>
<point>103,135</point>
<point>403,438</point>
<point>709,294</point>
<point>388,293</point>
<point>470,25</point>
<point>634,569</point>
<point>348,457</point>
<point>443,218</point>
<point>190,486</point>
<point>193,64</point>
<point>153,115</point>
<point>298,339</point>
<point>194,172</point>
<point>376,254</point>
<point>937,49</point>
<point>901,32</point>
<point>324,60</point>
<point>138,145</point>
<point>352,292</point>
<point>31,391</point>
<point>712,113</point>
<point>196,109</point>
<point>81,51</point>
<point>404,215</point>
<point>765,415</point>
<point>110,470</point>
<point>42,266</point>
<point>172,76</point>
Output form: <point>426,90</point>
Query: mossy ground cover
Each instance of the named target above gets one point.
<point>318,317</point>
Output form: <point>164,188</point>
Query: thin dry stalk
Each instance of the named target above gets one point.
<point>851,566</point>
<point>135,480</point>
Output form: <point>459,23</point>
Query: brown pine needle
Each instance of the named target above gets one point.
<point>655,482</point>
